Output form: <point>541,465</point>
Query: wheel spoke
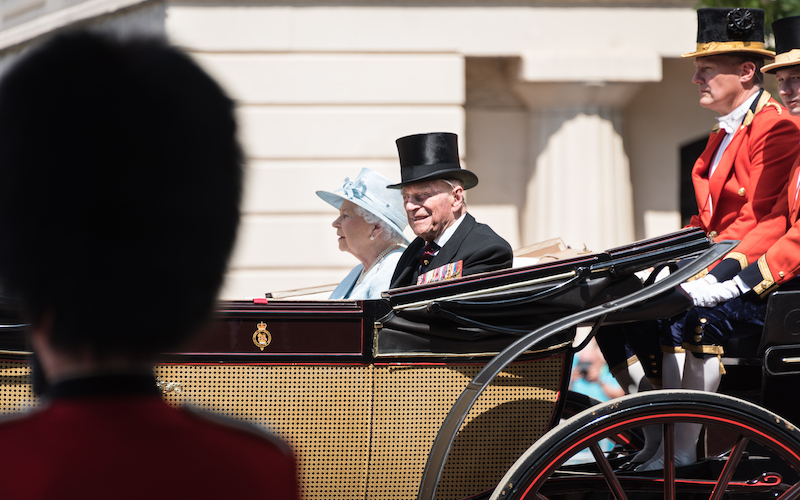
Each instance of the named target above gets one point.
<point>608,472</point>
<point>792,493</point>
<point>542,475</point>
<point>730,468</point>
<point>669,461</point>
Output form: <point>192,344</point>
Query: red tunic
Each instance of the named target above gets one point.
<point>748,180</point>
<point>135,446</point>
<point>781,262</point>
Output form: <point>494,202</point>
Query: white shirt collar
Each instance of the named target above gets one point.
<point>448,233</point>
<point>730,122</point>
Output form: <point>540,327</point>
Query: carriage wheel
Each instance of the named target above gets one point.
<point>628,440</point>
<point>762,458</point>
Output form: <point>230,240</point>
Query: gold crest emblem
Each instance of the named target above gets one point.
<point>261,337</point>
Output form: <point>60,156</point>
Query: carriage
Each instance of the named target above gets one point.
<point>459,389</point>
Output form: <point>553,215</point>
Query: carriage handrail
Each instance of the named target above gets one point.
<point>434,466</point>
<point>580,274</point>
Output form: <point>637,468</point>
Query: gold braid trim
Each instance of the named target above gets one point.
<point>669,348</point>
<point>762,102</point>
<point>699,275</point>
<point>742,258</point>
<point>767,282</point>
<point>732,46</point>
<point>704,348</point>
<point>623,366</point>
<point>776,106</point>
<point>748,119</point>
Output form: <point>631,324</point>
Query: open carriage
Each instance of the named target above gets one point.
<point>458,389</point>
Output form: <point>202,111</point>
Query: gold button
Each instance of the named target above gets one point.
<point>781,274</point>
<point>698,329</point>
<point>652,356</point>
<point>698,338</point>
<point>703,320</point>
<point>653,363</point>
<point>713,234</point>
<point>741,192</point>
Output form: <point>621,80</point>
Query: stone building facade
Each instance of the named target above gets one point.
<point>572,113</point>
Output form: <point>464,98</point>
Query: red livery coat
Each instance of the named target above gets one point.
<point>781,262</point>
<point>748,180</point>
<point>138,447</point>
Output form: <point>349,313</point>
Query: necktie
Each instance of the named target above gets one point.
<point>427,253</point>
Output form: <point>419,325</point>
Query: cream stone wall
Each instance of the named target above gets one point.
<point>654,143</point>
<point>308,121</point>
<point>571,115</point>
<point>325,90</point>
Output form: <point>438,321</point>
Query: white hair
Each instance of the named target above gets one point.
<point>457,182</point>
<point>454,182</point>
<point>391,234</point>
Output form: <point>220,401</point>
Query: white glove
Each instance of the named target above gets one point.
<point>645,273</point>
<point>705,281</point>
<point>711,295</point>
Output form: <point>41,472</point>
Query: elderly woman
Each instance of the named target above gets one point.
<point>370,226</point>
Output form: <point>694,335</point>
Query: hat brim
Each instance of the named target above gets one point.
<point>791,58</point>
<point>763,53</point>
<point>331,199</point>
<point>728,48</point>
<point>336,200</point>
<point>469,179</point>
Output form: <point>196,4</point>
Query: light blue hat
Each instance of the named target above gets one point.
<point>369,192</point>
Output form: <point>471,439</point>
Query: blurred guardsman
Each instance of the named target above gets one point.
<point>449,243</point>
<point>737,181</point>
<point>120,181</point>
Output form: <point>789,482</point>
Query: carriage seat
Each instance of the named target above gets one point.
<point>781,331</point>
<point>780,342</point>
<point>765,369</point>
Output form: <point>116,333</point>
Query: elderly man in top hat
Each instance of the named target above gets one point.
<point>737,180</point>
<point>449,243</point>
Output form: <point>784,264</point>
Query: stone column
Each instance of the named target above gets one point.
<point>579,185</point>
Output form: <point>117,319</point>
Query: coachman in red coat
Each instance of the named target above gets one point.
<point>738,181</point>
<point>732,298</point>
<point>779,262</point>
<point>749,177</point>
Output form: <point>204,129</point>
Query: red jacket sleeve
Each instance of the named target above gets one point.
<point>773,146</point>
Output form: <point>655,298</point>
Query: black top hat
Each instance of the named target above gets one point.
<point>426,157</point>
<point>726,30</point>
<point>787,43</point>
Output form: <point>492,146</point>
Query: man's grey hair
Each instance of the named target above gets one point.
<point>391,235</point>
<point>738,58</point>
<point>456,182</point>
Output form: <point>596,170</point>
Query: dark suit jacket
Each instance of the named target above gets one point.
<point>476,244</point>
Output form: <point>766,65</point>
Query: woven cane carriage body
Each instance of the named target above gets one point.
<point>362,422</point>
<point>431,392</point>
